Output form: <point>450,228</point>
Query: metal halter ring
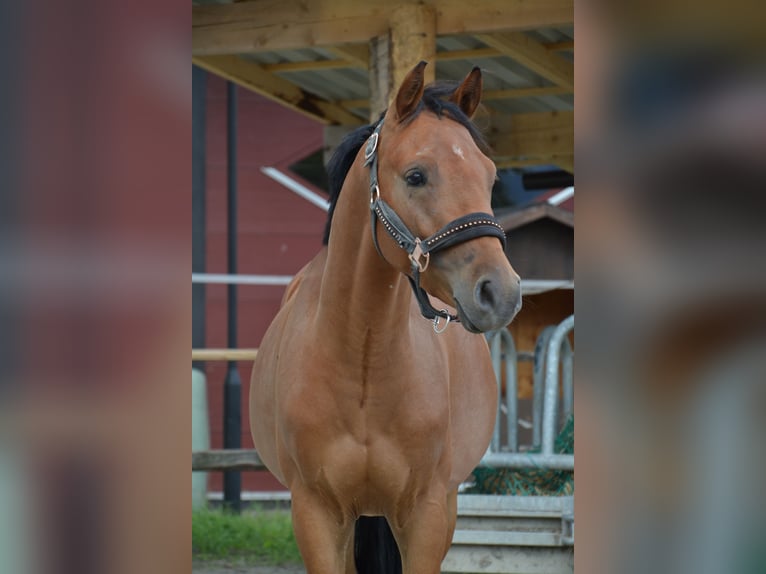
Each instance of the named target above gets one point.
<point>374,194</point>
<point>446,322</point>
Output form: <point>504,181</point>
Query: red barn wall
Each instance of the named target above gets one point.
<point>278,233</point>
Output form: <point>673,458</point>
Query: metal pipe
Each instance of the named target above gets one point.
<point>199,109</point>
<point>296,187</point>
<point>511,392</point>
<point>567,379</point>
<point>551,383</point>
<point>226,279</point>
<point>495,354</point>
<point>232,398</point>
<point>503,352</point>
<point>541,346</point>
<point>528,460</point>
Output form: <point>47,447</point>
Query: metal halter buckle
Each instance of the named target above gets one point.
<point>372,145</point>
<point>417,254</point>
<point>448,318</point>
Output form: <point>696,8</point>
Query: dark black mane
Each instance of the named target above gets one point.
<point>435,99</point>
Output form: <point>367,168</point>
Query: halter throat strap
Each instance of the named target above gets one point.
<point>419,251</point>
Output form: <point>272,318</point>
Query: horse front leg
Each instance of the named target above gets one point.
<point>323,534</point>
<point>426,534</point>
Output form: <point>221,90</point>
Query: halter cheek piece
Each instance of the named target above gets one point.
<point>419,250</point>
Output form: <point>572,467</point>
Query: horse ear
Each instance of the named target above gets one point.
<point>410,92</point>
<point>468,94</point>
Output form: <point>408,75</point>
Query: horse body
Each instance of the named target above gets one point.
<point>357,405</point>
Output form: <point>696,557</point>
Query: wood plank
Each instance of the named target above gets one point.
<point>268,25</point>
<point>537,134</point>
<point>380,76</point>
<point>495,538</point>
<point>224,354</point>
<point>560,46</point>
<point>565,162</point>
<point>516,559</point>
<point>533,55</point>
<point>228,459</point>
<point>252,76</point>
<point>478,504</point>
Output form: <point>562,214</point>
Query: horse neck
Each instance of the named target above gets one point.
<point>361,293</point>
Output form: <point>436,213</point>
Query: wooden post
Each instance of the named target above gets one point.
<point>411,38</point>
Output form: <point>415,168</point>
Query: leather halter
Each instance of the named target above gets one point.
<point>419,250</point>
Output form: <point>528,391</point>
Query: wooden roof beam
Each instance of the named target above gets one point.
<point>359,54</point>
<point>567,46</point>
<point>245,27</point>
<point>252,76</point>
<point>533,55</point>
<point>308,66</point>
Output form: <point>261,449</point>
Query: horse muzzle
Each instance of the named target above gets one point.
<point>491,302</point>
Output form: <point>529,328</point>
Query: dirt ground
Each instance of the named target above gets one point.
<point>222,567</point>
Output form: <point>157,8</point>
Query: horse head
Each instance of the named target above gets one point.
<point>432,175</point>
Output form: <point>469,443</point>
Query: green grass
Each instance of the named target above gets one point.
<point>259,536</point>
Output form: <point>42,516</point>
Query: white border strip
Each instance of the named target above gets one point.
<point>296,187</point>
<point>561,196</point>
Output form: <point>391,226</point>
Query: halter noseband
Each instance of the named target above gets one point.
<point>419,250</point>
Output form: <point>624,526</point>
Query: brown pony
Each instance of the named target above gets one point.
<point>358,404</point>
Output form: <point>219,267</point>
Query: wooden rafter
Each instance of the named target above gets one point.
<point>253,77</point>
<point>308,66</point>
<point>359,58</point>
<point>475,54</point>
<point>533,55</point>
<point>359,54</point>
<point>567,46</point>
<point>245,27</point>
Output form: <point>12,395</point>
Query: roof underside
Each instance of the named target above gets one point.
<point>315,58</point>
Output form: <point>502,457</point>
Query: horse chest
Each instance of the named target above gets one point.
<point>367,427</point>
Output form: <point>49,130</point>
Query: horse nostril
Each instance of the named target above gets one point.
<point>485,295</point>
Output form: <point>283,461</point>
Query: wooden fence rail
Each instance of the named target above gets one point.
<point>228,459</point>
<point>224,354</point>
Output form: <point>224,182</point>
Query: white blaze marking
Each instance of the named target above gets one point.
<point>458,151</point>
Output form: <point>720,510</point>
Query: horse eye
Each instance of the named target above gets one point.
<point>415,178</point>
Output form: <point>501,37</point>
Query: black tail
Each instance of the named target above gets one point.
<point>375,549</point>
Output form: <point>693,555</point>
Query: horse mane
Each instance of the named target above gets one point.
<point>435,99</point>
